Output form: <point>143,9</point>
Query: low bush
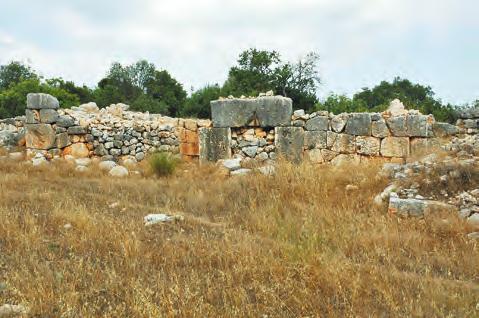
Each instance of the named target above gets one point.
<point>163,163</point>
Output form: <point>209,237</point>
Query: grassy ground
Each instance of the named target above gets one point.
<point>292,245</point>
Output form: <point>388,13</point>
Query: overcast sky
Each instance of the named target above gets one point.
<point>360,42</point>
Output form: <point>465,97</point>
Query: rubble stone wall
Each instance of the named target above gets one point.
<point>262,129</point>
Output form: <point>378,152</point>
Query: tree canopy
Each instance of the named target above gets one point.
<point>146,88</point>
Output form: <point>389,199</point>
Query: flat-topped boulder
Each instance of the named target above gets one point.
<point>41,101</point>
<point>267,111</point>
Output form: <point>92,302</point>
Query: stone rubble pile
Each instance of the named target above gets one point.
<point>253,143</point>
<point>12,132</point>
<point>439,173</point>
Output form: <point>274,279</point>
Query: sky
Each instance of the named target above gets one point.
<point>360,42</point>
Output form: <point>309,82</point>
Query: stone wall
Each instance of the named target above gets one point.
<point>264,128</point>
<point>260,129</point>
<point>112,133</point>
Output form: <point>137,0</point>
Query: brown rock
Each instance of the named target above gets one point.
<point>395,147</point>
<point>189,149</point>
<point>190,124</point>
<point>77,150</point>
<point>40,136</point>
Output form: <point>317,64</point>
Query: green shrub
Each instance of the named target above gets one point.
<point>163,163</point>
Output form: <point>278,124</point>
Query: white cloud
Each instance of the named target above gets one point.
<point>360,41</point>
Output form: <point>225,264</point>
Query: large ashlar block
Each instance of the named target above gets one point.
<point>424,146</point>
<point>315,139</point>
<point>397,126</point>
<point>368,145</point>
<point>270,111</point>
<point>359,124</point>
<point>395,147</point>
<point>215,144</point>
<point>419,125</point>
<point>40,136</point>
<point>289,142</point>
<point>41,101</point>
<point>343,143</point>
<point>317,123</point>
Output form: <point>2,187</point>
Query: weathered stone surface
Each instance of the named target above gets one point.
<point>48,116</point>
<point>77,150</point>
<point>406,207</point>
<point>32,116</point>
<point>289,142</point>
<point>77,130</point>
<point>106,165</point>
<point>118,171</point>
<point>418,126</point>
<point>423,146</point>
<point>315,139</point>
<point>338,122</point>
<point>328,155</point>
<point>40,136</point>
<point>396,108</point>
<point>250,151</point>
<point>379,129</point>
<point>62,140</point>
<point>469,113</point>
<point>315,156</point>
<point>214,144</point>
<point>444,129</point>
<point>344,143</point>
<point>359,124</point>
<point>368,145</point>
<point>264,112</point>
<point>416,207</point>
<point>317,123</point>
<point>395,147</point>
<point>397,126</point>
<point>190,149</point>
<point>65,121</point>
<point>232,164</point>
<point>342,159</point>
<point>41,101</point>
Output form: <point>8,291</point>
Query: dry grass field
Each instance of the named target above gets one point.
<point>296,244</point>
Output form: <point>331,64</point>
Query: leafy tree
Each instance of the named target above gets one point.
<point>414,96</point>
<point>339,104</point>
<point>15,72</point>
<point>84,93</point>
<point>13,100</point>
<point>260,71</point>
<point>129,83</point>
<point>198,104</point>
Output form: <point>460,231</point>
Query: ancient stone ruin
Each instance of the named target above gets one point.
<point>262,129</point>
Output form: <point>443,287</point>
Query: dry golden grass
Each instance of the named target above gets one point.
<point>292,245</point>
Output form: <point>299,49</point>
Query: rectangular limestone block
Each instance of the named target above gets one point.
<point>419,125</point>
<point>289,143</point>
<point>368,145</point>
<point>267,111</point>
<point>343,143</point>
<point>214,144</point>
<point>190,149</point>
<point>424,146</point>
<point>62,140</point>
<point>317,123</point>
<point>32,116</point>
<point>315,139</point>
<point>40,136</point>
<point>41,101</point>
<point>48,116</point>
<point>188,136</point>
<point>397,126</point>
<point>395,147</point>
<point>359,124</point>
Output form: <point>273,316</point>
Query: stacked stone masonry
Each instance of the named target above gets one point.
<point>111,133</point>
<point>262,129</point>
<point>324,137</point>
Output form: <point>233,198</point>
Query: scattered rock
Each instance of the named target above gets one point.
<point>118,171</point>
